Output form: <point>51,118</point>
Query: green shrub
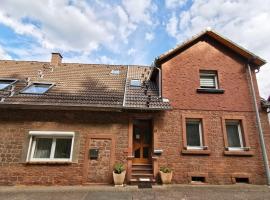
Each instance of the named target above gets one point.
<point>118,168</point>
<point>165,169</point>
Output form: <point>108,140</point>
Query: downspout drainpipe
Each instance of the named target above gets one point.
<point>259,126</point>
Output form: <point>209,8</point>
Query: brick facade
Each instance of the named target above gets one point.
<point>180,79</point>
<point>90,128</point>
<point>110,131</point>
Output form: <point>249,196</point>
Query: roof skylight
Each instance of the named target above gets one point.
<point>115,72</point>
<point>135,83</point>
<point>37,88</point>
<point>4,83</point>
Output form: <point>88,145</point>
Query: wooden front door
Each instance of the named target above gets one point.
<point>142,141</point>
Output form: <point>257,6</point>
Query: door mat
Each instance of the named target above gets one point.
<point>142,185</point>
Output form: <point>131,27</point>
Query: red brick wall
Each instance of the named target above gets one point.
<point>15,126</point>
<point>180,79</point>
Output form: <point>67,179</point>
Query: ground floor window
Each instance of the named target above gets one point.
<point>194,134</point>
<point>234,134</point>
<point>50,146</point>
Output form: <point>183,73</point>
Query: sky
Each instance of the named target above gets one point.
<point>128,31</point>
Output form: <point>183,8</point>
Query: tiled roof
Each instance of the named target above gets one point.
<point>77,85</point>
<point>146,96</point>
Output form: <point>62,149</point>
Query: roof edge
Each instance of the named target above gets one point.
<point>223,40</point>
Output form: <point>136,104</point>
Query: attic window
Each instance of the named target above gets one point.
<point>135,83</point>
<point>115,72</point>
<point>37,88</point>
<point>4,83</point>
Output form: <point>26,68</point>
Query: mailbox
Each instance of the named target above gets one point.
<point>93,154</point>
<point>158,152</point>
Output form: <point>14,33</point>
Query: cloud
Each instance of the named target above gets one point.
<point>3,54</point>
<point>76,26</point>
<point>149,36</point>
<point>244,22</point>
<point>131,51</point>
<point>139,10</point>
<point>172,4</point>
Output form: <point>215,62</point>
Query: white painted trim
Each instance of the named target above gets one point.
<point>240,135</point>
<point>29,149</point>
<point>195,147</point>
<point>126,85</point>
<point>53,135</point>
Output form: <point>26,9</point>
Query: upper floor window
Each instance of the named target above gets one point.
<point>4,83</point>
<point>50,146</point>
<point>135,83</point>
<point>208,79</point>
<point>37,88</point>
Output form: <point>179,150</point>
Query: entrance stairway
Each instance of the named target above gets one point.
<point>142,173</point>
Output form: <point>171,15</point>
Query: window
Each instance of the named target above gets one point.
<point>37,88</point>
<point>135,83</point>
<point>208,80</point>
<point>4,83</point>
<point>115,72</point>
<point>234,134</point>
<point>50,146</point>
<point>194,134</point>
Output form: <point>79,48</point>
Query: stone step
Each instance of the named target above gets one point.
<point>141,164</point>
<point>142,175</point>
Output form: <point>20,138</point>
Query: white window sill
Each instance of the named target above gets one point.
<point>49,162</point>
<point>197,147</point>
<point>238,148</point>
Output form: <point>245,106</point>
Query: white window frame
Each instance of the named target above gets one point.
<point>24,90</point>
<point>238,123</point>
<point>50,135</point>
<point>214,74</point>
<point>137,80</point>
<point>200,134</point>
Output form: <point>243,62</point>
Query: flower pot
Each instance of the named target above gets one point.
<point>166,178</point>
<point>119,178</point>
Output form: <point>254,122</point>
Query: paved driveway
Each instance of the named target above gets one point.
<point>181,192</point>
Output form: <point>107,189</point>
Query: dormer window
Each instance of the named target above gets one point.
<point>5,83</point>
<point>37,88</point>
<point>135,83</point>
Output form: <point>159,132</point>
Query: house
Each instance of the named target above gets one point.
<point>68,123</point>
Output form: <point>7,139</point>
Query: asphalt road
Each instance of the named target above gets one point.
<point>181,192</point>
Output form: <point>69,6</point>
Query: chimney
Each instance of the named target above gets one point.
<point>56,59</point>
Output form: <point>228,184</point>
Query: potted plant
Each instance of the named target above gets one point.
<point>119,174</point>
<point>166,175</point>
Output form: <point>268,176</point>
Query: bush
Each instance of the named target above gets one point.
<point>165,169</point>
<point>118,168</point>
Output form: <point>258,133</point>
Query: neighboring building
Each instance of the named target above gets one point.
<point>67,124</point>
<point>266,105</point>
